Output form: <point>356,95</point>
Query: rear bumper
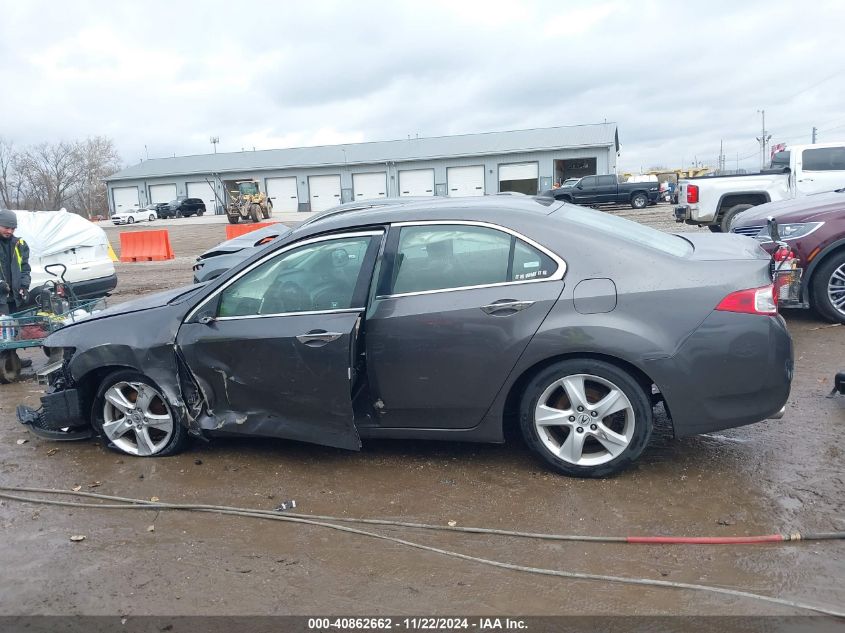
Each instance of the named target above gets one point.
<point>735,369</point>
<point>94,288</point>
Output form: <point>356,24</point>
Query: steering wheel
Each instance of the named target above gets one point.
<point>287,296</point>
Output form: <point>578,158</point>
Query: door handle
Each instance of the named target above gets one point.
<point>318,338</point>
<point>506,307</point>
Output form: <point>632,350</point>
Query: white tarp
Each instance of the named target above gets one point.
<point>66,238</point>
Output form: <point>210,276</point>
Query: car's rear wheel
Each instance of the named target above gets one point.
<point>639,201</point>
<point>729,216</point>
<point>132,415</point>
<point>586,418</point>
<point>152,217</point>
<point>828,288</point>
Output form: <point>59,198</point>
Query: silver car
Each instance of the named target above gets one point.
<point>445,319</point>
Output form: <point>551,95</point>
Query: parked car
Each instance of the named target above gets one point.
<point>814,228</point>
<point>182,208</point>
<point>715,201</point>
<point>59,237</point>
<point>445,320</point>
<point>135,214</point>
<point>598,190</point>
<point>156,207</point>
<point>226,255</point>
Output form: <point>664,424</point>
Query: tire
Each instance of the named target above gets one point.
<point>605,445</point>
<point>265,213</point>
<point>199,213</point>
<point>639,201</point>
<point>10,366</point>
<point>255,213</point>
<point>127,426</point>
<point>131,220</point>
<point>152,218</point>
<point>179,214</point>
<point>714,228</point>
<point>730,215</point>
<point>234,219</point>
<point>827,289</point>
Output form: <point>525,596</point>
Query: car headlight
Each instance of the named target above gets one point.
<point>791,231</point>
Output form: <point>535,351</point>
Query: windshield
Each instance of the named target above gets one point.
<point>627,230</point>
<point>248,188</point>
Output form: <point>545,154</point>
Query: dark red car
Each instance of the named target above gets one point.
<point>814,228</point>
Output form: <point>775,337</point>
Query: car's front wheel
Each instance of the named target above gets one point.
<point>586,418</point>
<point>130,220</point>
<point>828,288</point>
<point>132,415</point>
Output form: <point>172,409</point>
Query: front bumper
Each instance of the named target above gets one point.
<point>59,418</point>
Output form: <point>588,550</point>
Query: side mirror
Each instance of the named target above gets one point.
<point>579,186</point>
<point>772,229</point>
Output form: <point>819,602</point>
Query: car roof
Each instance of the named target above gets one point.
<point>493,208</point>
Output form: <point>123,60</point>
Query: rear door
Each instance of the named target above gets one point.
<point>274,348</point>
<point>456,304</point>
<point>822,169</point>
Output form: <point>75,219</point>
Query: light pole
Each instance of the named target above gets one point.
<point>214,140</point>
<point>763,139</point>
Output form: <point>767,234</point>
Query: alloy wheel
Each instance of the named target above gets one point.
<point>836,289</point>
<point>584,420</point>
<point>137,418</point>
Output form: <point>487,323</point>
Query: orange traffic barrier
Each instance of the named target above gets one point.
<point>145,246</point>
<point>233,230</point>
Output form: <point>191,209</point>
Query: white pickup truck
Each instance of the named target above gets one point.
<point>715,201</point>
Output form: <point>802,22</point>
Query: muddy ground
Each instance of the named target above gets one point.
<point>776,476</point>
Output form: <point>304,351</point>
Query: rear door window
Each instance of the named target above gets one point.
<point>824,159</point>
<point>442,257</point>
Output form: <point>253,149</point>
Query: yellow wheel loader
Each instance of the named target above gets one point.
<point>248,202</point>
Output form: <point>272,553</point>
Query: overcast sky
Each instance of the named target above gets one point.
<point>160,78</point>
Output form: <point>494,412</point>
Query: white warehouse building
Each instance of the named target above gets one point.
<point>316,178</point>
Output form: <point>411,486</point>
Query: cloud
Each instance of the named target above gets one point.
<point>162,77</point>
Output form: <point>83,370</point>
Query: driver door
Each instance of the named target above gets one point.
<point>273,349</point>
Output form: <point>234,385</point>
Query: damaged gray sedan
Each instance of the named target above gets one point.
<point>445,319</point>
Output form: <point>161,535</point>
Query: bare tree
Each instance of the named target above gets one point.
<point>52,172</point>
<point>11,184</point>
<point>99,159</point>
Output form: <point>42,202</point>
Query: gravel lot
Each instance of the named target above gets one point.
<point>776,476</point>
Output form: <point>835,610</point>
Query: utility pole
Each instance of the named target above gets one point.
<point>814,134</point>
<point>763,139</point>
<point>721,157</point>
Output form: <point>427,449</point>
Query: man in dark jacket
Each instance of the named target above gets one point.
<point>14,268</point>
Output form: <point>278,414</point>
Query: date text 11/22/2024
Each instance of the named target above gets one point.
<point>415,623</point>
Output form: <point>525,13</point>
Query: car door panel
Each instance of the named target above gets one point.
<point>437,360</point>
<point>282,376</point>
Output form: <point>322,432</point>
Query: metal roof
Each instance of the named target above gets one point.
<point>538,139</point>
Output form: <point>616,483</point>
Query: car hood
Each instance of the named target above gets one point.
<point>157,300</point>
<point>806,209</point>
<point>247,240</point>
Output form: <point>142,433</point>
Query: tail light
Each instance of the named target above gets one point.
<point>751,301</point>
<point>692,194</point>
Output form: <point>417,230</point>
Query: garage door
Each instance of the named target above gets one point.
<point>205,192</point>
<point>521,177</point>
<point>465,181</point>
<point>324,192</point>
<point>162,193</point>
<point>416,182</point>
<point>282,191</point>
<point>125,198</point>
<point>367,186</point>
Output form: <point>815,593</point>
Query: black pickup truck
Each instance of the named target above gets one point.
<point>595,190</point>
